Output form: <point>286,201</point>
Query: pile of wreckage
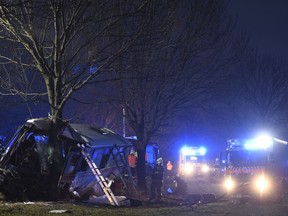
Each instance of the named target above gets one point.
<point>92,165</point>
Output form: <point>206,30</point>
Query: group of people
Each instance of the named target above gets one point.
<point>156,174</point>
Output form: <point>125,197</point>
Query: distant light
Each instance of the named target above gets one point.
<point>193,150</point>
<point>93,69</point>
<point>193,158</point>
<point>205,168</point>
<point>262,141</point>
<point>131,137</point>
<point>188,168</point>
<point>188,150</point>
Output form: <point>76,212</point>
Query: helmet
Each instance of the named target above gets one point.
<point>159,161</point>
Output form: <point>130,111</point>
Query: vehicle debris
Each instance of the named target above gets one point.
<point>56,211</point>
<point>26,170</point>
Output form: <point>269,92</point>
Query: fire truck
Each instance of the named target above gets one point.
<point>193,162</point>
<point>256,167</point>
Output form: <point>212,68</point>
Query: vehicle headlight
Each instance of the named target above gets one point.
<point>229,184</point>
<point>262,183</point>
<point>188,168</point>
<point>205,168</point>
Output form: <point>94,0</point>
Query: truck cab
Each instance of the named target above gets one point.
<point>193,162</point>
<point>252,167</point>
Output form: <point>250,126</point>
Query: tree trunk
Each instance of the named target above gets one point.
<point>54,158</point>
<point>141,169</point>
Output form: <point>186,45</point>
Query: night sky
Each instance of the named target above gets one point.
<point>266,22</point>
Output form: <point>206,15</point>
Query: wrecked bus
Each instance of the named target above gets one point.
<point>26,172</point>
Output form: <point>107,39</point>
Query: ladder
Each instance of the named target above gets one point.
<point>99,177</point>
<point>120,159</point>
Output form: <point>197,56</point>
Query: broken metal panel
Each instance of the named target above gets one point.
<point>42,124</point>
<point>70,133</point>
<point>102,143</point>
<point>84,183</point>
<point>99,137</point>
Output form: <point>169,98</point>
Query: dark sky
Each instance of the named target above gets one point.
<point>266,21</point>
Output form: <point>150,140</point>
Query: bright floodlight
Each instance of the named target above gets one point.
<point>262,141</point>
<point>229,184</point>
<point>187,150</point>
<point>262,184</point>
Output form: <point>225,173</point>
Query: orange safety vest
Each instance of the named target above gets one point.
<point>169,165</point>
<point>132,160</point>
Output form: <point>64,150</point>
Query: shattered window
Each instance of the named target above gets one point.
<point>118,154</point>
<point>105,158</point>
<point>73,161</point>
<point>96,155</point>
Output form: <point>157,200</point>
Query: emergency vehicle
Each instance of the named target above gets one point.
<point>193,161</point>
<point>256,167</point>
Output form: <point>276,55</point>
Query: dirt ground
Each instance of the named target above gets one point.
<point>199,185</point>
<point>210,189</point>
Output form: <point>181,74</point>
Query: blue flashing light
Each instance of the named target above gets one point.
<point>188,150</point>
<point>193,150</point>
<point>40,138</point>
<point>202,151</point>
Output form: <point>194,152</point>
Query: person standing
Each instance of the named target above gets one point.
<point>132,160</point>
<point>157,180</point>
<point>169,167</point>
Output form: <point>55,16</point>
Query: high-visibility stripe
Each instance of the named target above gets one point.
<point>240,170</point>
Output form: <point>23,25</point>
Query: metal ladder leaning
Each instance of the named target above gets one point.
<point>99,177</point>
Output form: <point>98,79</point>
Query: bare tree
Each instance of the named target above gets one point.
<point>67,44</point>
<point>258,99</point>
<point>175,67</point>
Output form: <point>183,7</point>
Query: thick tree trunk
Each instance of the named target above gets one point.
<point>141,169</point>
<point>55,157</point>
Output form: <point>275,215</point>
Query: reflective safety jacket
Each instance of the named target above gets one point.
<point>132,160</point>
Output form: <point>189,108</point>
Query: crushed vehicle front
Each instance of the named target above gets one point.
<point>27,171</point>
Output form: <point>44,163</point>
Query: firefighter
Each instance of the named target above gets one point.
<point>169,167</point>
<point>132,160</point>
<point>157,180</point>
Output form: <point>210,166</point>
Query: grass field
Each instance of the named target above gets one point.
<point>165,209</point>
